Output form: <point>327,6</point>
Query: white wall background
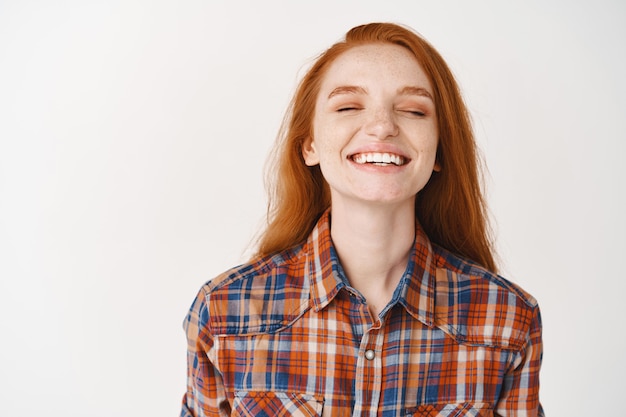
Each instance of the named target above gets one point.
<point>132,140</point>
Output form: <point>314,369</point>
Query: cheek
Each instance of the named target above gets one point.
<point>328,144</point>
<point>428,155</point>
<point>431,142</point>
<point>428,144</point>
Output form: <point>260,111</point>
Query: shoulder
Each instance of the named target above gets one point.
<point>261,296</point>
<point>477,306</point>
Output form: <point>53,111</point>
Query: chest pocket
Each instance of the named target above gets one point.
<point>451,410</point>
<point>276,404</point>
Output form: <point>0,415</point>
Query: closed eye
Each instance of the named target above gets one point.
<point>416,113</point>
<point>346,109</point>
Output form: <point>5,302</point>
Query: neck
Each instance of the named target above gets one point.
<point>373,244</point>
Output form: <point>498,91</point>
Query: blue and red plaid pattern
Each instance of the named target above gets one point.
<point>286,335</point>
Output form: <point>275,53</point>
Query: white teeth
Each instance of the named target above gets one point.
<point>378,158</point>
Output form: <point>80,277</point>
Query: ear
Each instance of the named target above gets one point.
<point>437,166</point>
<point>309,153</point>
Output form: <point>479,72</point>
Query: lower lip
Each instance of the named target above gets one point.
<point>372,167</point>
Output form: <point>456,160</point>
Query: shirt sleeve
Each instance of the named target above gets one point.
<point>520,391</point>
<point>205,396</point>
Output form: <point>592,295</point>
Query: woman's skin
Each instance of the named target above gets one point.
<point>375,104</point>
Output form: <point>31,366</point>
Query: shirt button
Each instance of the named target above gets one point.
<point>369,354</point>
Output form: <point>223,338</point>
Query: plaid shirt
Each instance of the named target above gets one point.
<point>288,336</point>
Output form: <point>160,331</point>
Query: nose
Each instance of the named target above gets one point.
<point>382,124</point>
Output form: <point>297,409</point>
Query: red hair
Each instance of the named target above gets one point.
<point>450,208</point>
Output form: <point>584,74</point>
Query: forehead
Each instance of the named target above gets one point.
<point>379,63</point>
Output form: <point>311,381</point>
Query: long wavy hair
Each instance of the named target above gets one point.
<point>450,208</point>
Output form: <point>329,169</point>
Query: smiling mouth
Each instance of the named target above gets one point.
<point>378,158</point>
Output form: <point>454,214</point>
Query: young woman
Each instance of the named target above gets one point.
<point>374,291</point>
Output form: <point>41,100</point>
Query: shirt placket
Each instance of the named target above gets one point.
<point>369,372</point>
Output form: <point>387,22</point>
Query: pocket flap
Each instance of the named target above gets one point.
<point>452,410</point>
<point>276,404</point>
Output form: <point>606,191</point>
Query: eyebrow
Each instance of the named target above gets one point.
<point>353,89</point>
<point>416,91</point>
<point>347,89</point>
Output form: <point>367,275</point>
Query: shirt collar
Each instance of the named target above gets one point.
<point>416,288</point>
